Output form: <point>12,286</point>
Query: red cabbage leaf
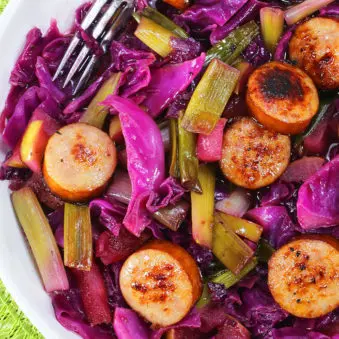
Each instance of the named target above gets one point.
<point>318,198</point>
<point>128,325</point>
<point>145,159</point>
<point>168,81</point>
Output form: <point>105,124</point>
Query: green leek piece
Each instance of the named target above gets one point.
<point>174,166</point>
<point>204,298</point>
<point>96,114</point>
<point>41,239</point>
<point>233,252</point>
<point>242,227</point>
<point>172,216</point>
<point>155,36</point>
<point>203,206</point>
<point>188,161</point>
<point>162,20</point>
<point>272,26</point>
<point>264,251</point>
<point>227,278</point>
<point>115,131</point>
<point>325,103</point>
<point>77,237</point>
<point>210,97</point>
<point>230,48</point>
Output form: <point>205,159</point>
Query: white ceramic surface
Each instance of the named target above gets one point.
<point>17,269</point>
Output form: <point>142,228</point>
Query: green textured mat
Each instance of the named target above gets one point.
<point>13,323</point>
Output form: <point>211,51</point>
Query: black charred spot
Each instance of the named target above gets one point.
<point>302,267</point>
<point>298,254</point>
<point>279,83</point>
<point>326,59</point>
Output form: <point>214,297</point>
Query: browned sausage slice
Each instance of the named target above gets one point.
<point>314,47</point>
<point>282,97</point>
<point>79,161</point>
<point>161,281</point>
<point>303,276</point>
<point>253,156</point>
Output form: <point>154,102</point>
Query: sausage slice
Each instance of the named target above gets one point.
<point>303,276</point>
<point>253,156</point>
<point>161,281</point>
<point>314,47</point>
<point>79,161</point>
<point>282,97</point>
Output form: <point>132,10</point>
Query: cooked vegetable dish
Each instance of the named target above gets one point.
<point>191,188</point>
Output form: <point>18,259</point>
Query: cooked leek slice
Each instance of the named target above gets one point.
<point>233,252</point>
<point>174,166</point>
<point>272,25</point>
<point>242,227</point>
<point>115,131</point>
<point>41,239</point>
<point>155,36</point>
<point>245,70</point>
<point>188,161</point>
<point>162,20</point>
<point>264,251</point>
<point>230,48</point>
<point>172,216</point>
<point>210,97</point>
<point>77,237</point>
<point>227,278</point>
<point>203,206</point>
<point>95,114</point>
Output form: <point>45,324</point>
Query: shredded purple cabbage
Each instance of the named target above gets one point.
<point>121,218</point>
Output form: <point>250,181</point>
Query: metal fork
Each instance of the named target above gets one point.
<point>117,12</point>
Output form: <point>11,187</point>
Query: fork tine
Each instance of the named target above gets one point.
<point>97,31</point>
<point>99,28</point>
<point>92,13</point>
<point>89,18</point>
<point>77,63</point>
<point>72,46</point>
<point>121,16</point>
<point>86,73</point>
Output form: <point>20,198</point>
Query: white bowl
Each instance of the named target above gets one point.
<point>17,269</point>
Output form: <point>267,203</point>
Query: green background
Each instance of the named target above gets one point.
<point>13,323</point>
